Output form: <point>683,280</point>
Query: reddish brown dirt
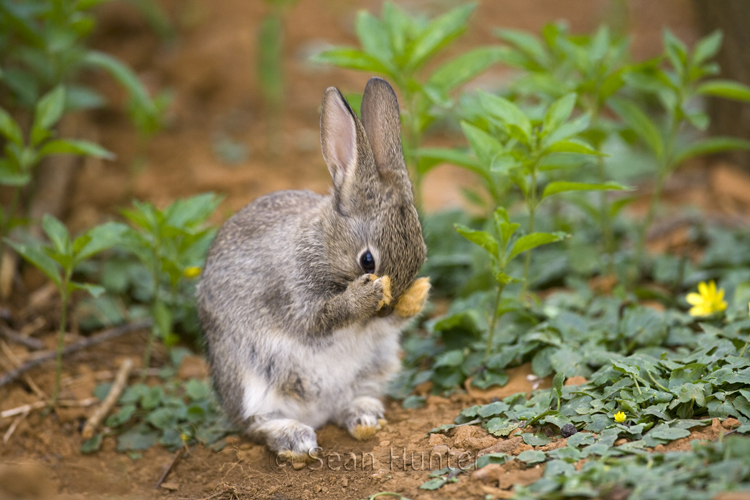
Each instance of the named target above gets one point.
<point>211,69</point>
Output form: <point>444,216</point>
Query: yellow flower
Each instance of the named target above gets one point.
<point>192,272</point>
<point>707,301</point>
<point>620,417</point>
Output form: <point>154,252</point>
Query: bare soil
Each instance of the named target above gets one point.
<point>211,68</point>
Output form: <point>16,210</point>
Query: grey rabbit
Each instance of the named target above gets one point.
<point>303,297</point>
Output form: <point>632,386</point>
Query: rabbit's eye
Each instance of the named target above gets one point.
<point>367,261</point>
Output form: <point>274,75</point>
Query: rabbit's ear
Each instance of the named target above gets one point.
<point>338,137</point>
<point>382,124</point>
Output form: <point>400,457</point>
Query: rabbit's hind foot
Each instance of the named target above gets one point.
<point>289,439</point>
<point>364,418</point>
<point>412,300</point>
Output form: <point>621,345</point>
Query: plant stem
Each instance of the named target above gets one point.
<point>606,220</point>
<point>493,321</point>
<point>61,336</point>
<point>413,138</point>
<point>742,352</point>
<point>6,222</point>
<point>531,202</point>
<point>665,166</point>
<point>156,274</point>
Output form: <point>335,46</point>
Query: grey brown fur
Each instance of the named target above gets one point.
<point>297,333</point>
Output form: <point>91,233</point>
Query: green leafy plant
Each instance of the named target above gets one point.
<point>169,243</point>
<point>270,69</point>
<point>528,150</point>
<point>399,46</point>
<point>501,253</point>
<point>43,45</point>
<point>22,154</point>
<point>592,66</point>
<point>173,414</point>
<point>59,259</point>
<point>677,83</point>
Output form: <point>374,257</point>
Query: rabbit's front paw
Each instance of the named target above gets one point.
<point>412,300</point>
<point>373,291</point>
<point>364,418</point>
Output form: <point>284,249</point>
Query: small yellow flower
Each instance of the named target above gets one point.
<point>192,272</point>
<point>620,417</point>
<point>707,301</point>
<point>184,437</point>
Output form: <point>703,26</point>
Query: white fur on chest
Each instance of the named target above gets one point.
<point>333,370</point>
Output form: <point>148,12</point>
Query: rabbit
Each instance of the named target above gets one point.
<point>303,296</point>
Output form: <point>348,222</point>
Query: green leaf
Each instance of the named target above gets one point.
<point>152,398</point>
<point>137,438</point>
<point>725,88</point>
<point>710,145</point>
<point>567,130</point>
<point>438,33</point>
<point>507,112</point>
<point>197,390</point>
<point>481,238</point>
<point>435,156</point>
<point>94,290</point>
<point>527,43</point>
<point>465,67</point>
<point>559,111</point>
<point>636,119</point>
<point>503,226</point>
<point>123,416</point>
<point>125,77</point>
<point>48,111</point>
<point>98,239</point>
<point>676,51</point>
<point>40,260</point>
<point>573,146</point>
<point>535,439</point>
<point>483,144</point>
<point>91,445</point>
<point>532,456</point>
<point>451,359</point>
<point>533,240</point>
<point>667,434</point>
<point>75,147</point>
<point>57,233</point>
<point>162,418</point>
<point>9,128</point>
<point>564,186</point>
<point>557,383</point>
<point>10,175</point>
<point>707,47</point>
<point>433,484</point>
<point>351,58</point>
<point>374,38</point>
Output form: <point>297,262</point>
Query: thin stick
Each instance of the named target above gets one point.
<point>168,468</point>
<point>14,336</point>
<point>114,394</point>
<point>23,409</point>
<point>74,347</point>
<point>13,426</point>
<point>16,363</point>
<point>41,404</point>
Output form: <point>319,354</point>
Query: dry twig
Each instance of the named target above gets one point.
<point>14,336</point>
<point>16,363</point>
<point>75,346</point>
<point>114,394</point>
<point>168,468</point>
<point>13,426</point>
